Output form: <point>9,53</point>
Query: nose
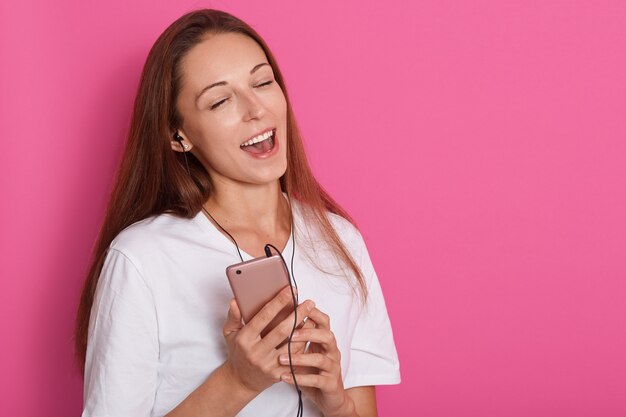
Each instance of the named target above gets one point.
<point>253,107</point>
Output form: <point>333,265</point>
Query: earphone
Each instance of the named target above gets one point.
<point>268,253</point>
<point>178,138</point>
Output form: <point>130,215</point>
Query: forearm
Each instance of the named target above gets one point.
<point>219,396</point>
<point>348,409</point>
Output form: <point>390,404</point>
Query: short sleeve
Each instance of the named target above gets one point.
<point>122,346</point>
<point>373,355</point>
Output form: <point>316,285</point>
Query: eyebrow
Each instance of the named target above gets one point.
<point>256,67</point>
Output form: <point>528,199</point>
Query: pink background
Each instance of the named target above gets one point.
<point>480,145</point>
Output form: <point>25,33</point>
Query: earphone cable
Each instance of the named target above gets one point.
<point>294,296</point>
<point>231,237</point>
<point>187,164</point>
<point>293,328</point>
<point>179,139</point>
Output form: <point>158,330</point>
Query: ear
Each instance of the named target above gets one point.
<point>184,146</point>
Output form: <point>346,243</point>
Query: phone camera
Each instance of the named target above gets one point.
<point>238,272</point>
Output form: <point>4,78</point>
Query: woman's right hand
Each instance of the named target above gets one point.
<point>252,360</point>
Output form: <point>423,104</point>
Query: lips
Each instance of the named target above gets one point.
<point>258,137</point>
<point>264,149</point>
<point>264,146</point>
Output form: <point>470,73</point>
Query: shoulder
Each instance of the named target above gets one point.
<point>348,233</point>
<point>152,234</point>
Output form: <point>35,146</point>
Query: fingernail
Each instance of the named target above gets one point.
<point>310,305</point>
<point>283,358</point>
<point>295,334</point>
<point>285,377</point>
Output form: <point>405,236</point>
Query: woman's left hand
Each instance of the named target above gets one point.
<point>318,371</point>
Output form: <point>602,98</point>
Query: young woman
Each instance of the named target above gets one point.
<point>214,169</point>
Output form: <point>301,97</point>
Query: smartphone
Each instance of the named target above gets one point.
<point>257,281</point>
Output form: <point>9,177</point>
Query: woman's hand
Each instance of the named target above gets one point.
<point>319,369</point>
<point>252,360</point>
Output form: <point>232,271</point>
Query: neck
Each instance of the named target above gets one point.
<point>261,208</point>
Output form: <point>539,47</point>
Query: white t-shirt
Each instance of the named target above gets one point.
<point>155,330</point>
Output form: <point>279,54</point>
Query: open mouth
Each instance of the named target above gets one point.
<point>260,145</point>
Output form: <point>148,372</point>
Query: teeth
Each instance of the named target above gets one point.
<point>258,139</point>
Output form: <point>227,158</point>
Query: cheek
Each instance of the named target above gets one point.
<point>284,105</point>
<point>214,132</point>
<point>210,145</point>
<point>279,103</point>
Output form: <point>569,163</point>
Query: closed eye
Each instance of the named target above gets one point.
<point>265,83</point>
<point>219,103</point>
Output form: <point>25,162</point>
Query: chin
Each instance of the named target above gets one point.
<point>268,179</point>
<point>267,175</point>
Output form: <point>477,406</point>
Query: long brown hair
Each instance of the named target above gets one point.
<point>152,179</point>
